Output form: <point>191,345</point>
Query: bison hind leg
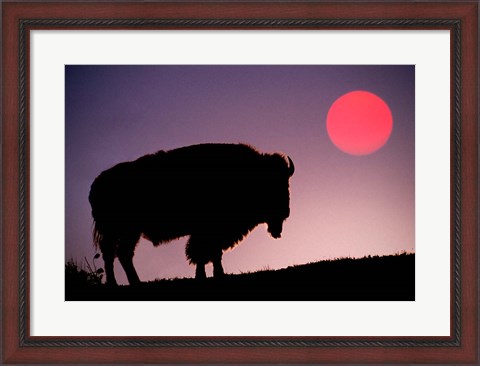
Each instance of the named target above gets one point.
<point>108,247</point>
<point>125,251</point>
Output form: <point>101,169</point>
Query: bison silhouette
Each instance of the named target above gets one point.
<point>216,193</point>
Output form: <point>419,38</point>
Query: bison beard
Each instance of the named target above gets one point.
<point>216,193</point>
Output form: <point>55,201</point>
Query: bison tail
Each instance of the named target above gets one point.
<point>97,235</point>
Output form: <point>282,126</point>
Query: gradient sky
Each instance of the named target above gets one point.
<point>341,205</point>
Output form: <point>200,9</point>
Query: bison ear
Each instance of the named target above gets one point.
<point>291,167</point>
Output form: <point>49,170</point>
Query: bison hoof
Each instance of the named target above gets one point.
<point>200,274</point>
<point>111,284</point>
<point>201,277</point>
<point>218,274</point>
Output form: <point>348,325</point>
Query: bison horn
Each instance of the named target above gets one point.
<point>291,167</point>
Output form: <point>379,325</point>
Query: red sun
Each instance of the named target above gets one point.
<point>359,123</point>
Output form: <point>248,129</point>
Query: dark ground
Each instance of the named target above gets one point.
<point>388,278</point>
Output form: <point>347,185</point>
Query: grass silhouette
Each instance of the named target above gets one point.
<point>386,278</point>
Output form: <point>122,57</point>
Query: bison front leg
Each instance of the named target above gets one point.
<point>200,273</point>
<point>217,265</point>
<point>203,249</point>
<point>197,254</point>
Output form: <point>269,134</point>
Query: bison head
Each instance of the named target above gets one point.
<point>275,228</point>
<point>279,195</point>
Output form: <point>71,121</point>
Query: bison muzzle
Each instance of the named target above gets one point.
<point>215,193</point>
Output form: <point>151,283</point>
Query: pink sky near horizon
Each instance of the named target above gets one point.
<point>341,205</point>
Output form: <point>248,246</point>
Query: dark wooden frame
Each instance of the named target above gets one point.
<point>461,18</point>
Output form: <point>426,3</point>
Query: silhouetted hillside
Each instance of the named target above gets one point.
<point>388,278</point>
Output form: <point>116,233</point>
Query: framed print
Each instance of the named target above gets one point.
<point>313,167</point>
<point>220,157</point>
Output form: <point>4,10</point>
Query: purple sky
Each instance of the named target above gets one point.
<point>341,205</point>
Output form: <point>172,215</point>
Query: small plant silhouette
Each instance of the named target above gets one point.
<point>75,275</point>
<point>95,271</point>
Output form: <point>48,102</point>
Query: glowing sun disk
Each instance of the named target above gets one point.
<point>359,123</point>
